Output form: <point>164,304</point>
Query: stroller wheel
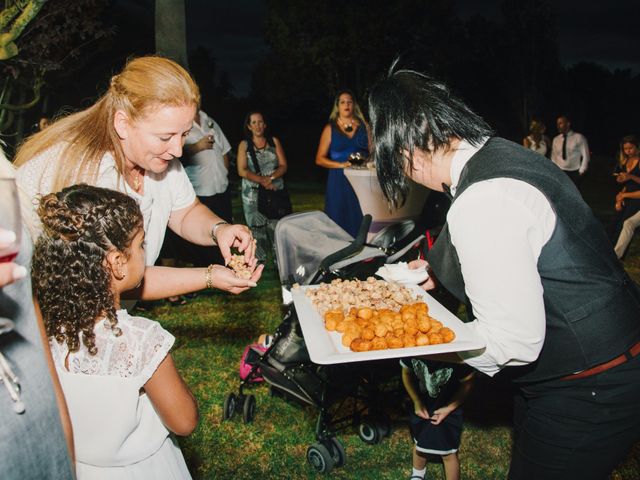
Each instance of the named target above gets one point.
<point>249,408</point>
<point>336,448</point>
<point>229,406</point>
<point>320,458</point>
<point>368,431</point>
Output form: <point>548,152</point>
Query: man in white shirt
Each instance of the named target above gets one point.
<point>206,162</point>
<point>545,291</point>
<point>570,150</point>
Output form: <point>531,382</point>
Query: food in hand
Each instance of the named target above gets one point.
<point>364,329</point>
<point>239,266</point>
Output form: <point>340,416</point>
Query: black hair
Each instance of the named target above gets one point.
<point>71,279</point>
<point>409,111</point>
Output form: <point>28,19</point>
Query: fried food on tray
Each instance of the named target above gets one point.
<point>365,328</point>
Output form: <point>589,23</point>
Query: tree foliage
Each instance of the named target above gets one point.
<point>57,43</point>
<point>318,47</point>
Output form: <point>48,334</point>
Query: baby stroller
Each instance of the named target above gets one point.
<point>311,248</point>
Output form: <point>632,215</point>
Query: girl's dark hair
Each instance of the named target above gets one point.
<point>409,111</point>
<point>71,278</point>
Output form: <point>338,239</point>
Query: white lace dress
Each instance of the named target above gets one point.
<point>118,434</point>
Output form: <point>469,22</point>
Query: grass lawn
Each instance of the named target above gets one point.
<point>212,331</point>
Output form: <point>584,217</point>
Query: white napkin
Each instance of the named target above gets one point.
<point>401,273</point>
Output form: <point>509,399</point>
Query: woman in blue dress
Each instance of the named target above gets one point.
<point>346,133</point>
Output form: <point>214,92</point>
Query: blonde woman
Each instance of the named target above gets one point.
<point>537,140</point>
<point>130,140</point>
<point>346,133</point>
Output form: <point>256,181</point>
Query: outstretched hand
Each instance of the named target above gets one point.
<point>238,236</point>
<point>225,279</point>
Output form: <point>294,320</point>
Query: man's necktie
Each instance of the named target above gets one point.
<point>564,146</point>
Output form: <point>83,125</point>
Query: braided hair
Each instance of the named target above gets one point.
<point>71,275</point>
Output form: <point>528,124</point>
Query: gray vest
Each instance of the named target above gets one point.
<point>592,306</point>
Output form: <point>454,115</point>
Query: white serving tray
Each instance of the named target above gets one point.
<point>326,348</point>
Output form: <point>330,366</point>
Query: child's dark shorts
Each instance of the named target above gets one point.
<point>440,439</point>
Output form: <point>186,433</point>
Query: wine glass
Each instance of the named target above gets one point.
<point>10,218</point>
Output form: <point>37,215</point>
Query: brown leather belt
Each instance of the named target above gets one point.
<point>603,367</point>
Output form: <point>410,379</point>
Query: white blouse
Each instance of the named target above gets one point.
<point>117,432</point>
<point>163,192</point>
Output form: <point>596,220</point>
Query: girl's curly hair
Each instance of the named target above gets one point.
<point>71,277</point>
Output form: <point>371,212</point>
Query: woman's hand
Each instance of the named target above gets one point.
<point>346,164</point>
<point>238,236</point>
<point>622,177</point>
<point>266,182</point>
<point>225,279</point>
<point>9,271</point>
<point>430,284</point>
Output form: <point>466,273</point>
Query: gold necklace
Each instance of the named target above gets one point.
<point>135,175</point>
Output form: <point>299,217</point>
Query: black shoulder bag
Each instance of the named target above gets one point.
<point>273,204</point>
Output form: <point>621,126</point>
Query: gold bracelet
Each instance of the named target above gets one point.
<point>214,229</point>
<point>207,277</point>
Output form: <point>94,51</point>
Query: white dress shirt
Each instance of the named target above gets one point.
<point>206,169</point>
<point>577,152</point>
<point>498,228</point>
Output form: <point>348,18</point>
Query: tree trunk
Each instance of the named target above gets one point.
<point>171,30</point>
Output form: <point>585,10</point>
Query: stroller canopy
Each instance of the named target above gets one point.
<point>303,240</point>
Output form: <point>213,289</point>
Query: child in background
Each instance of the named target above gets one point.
<point>437,391</point>
<point>122,388</point>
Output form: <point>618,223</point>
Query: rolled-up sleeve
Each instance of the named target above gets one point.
<point>498,228</point>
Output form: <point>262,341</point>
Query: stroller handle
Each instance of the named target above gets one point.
<point>351,249</point>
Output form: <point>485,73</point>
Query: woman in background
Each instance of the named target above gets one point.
<point>346,133</point>
<point>627,173</point>
<point>259,146</point>
<point>537,140</point>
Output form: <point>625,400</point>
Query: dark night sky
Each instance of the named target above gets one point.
<point>595,31</point>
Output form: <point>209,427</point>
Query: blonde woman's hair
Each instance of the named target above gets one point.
<point>622,158</point>
<point>357,112</point>
<point>144,85</point>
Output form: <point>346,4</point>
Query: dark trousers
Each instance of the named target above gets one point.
<point>576,429</point>
<point>575,177</point>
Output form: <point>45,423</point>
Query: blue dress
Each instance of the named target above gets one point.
<point>341,204</point>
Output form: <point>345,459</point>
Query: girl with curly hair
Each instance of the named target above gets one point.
<point>124,393</point>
